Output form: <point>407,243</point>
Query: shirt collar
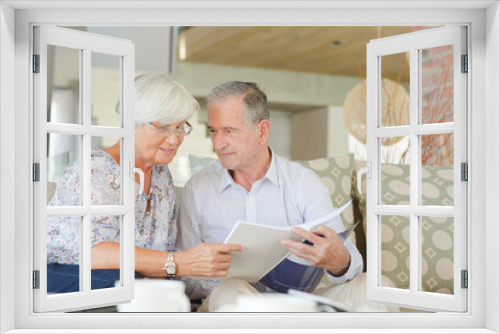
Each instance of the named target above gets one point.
<point>225,179</point>
<point>272,175</point>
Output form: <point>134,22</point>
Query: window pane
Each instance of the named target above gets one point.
<point>395,176</point>
<point>63,254</point>
<point>106,171</point>
<point>106,229</point>
<point>437,169</point>
<point>394,92</point>
<point>105,89</point>
<point>437,84</point>
<point>437,254</point>
<point>63,170</point>
<point>395,250</point>
<point>63,85</point>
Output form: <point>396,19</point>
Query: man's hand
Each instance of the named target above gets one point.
<point>210,260</point>
<point>327,252</point>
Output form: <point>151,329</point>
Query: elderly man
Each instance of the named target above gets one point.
<point>253,183</point>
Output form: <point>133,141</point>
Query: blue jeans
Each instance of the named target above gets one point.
<point>63,278</point>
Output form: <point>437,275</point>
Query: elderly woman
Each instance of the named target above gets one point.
<point>162,107</point>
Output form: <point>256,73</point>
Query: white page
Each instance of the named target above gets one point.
<point>309,225</point>
<point>263,249</point>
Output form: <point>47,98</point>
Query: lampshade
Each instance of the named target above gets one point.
<point>395,105</point>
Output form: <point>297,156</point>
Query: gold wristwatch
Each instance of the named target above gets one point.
<point>170,269</point>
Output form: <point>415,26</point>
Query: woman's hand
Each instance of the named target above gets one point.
<point>209,260</point>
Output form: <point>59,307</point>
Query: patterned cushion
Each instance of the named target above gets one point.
<point>335,172</point>
<point>437,232</point>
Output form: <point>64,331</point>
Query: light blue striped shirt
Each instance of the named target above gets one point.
<point>289,194</point>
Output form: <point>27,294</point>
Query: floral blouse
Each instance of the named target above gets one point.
<point>155,229</point>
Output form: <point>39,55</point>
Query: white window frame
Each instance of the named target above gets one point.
<point>86,44</point>
<point>413,43</point>
<point>484,104</point>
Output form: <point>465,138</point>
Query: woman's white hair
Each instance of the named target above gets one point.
<point>158,98</point>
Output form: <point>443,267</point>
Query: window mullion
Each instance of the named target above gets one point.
<point>67,129</point>
<point>414,170</point>
<point>102,210</point>
<point>432,129</point>
<point>85,241</point>
<point>127,121</point>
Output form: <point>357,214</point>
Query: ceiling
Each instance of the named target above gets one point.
<point>338,50</point>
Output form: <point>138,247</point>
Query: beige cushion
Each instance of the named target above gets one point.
<point>437,232</point>
<point>336,174</point>
<point>51,189</point>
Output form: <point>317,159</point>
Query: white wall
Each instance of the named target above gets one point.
<point>318,133</point>
<point>7,167</point>
<point>492,163</point>
<point>280,138</point>
<point>337,132</point>
<point>285,87</point>
<point>152,46</point>
<point>309,128</point>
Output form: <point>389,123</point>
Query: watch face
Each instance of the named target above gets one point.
<point>170,270</point>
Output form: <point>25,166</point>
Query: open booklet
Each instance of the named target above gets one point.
<point>263,249</point>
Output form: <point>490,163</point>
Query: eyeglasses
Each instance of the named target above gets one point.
<point>165,130</point>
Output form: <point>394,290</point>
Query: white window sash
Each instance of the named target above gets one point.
<point>412,43</point>
<point>86,43</point>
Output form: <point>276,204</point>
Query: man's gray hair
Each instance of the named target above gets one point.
<point>254,100</point>
<point>158,98</point>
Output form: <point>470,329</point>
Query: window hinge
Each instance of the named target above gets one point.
<point>36,63</point>
<point>465,64</point>
<point>36,172</point>
<point>464,171</point>
<point>465,279</point>
<point>36,279</point>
